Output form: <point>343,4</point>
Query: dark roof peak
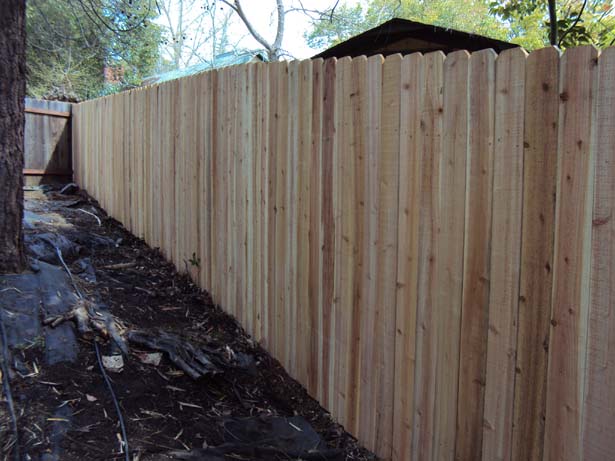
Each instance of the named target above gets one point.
<point>404,36</point>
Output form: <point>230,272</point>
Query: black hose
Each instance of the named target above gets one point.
<point>100,364</point>
<point>115,402</point>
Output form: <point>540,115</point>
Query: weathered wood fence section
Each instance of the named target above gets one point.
<point>47,149</point>
<point>425,242</point>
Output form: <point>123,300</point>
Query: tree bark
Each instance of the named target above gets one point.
<point>12,119</point>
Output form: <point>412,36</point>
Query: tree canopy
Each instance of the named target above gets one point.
<point>578,22</point>
<point>525,22</point>
<point>70,43</point>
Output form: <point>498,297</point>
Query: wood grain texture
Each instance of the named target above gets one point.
<point>430,137</point>
<point>410,158</point>
<point>315,235</point>
<point>357,197</point>
<point>536,275</point>
<point>303,319</point>
<point>281,154</point>
<point>599,404</point>
<point>370,321</point>
<point>344,211</point>
<point>386,278</point>
<point>570,303</point>
<point>417,239</point>
<point>505,254</point>
<point>328,229</point>
<point>291,199</point>
<point>47,142</point>
<point>475,307</point>
<point>449,215</point>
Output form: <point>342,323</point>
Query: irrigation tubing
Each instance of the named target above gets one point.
<point>115,402</point>
<point>101,366</point>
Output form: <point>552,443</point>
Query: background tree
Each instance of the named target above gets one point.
<point>577,22</point>
<point>525,22</point>
<point>273,47</point>
<point>71,42</point>
<point>12,92</point>
<point>194,31</point>
<point>466,15</point>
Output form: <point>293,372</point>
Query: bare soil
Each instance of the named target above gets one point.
<point>163,408</point>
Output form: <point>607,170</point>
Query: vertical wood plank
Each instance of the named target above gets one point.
<point>270,338</point>
<point>343,209</point>
<point>386,279</point>
<point>358,102</point>
<point>291,209</point>
<point>570,302</point>
<point>249,151</point>
<point>328,228</point>
<point>410,154</point>
<point>233,244</point>
<point>599,413</point>
<point>368,392</point>
<point>505,254</point>
<point>255,288</point>
<point>168,166</point>
<point>204,148</point>
<point>536,275</point>
<point>195,206</point>
<point>430,139</point>
<point>264,111</point>
<point>228,190</point>
<point>315,234</point>
<point>450,208</point>
<point>217,175</point>
<point>147,166</point>
<point>157,169</point>
<point>475,304</point>
<point>281,154</point>
<point>303,324</point>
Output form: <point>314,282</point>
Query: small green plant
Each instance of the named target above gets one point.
<point>195,261</point>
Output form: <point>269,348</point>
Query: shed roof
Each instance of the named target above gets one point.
<point>231,58</point>
<point>404,36</point>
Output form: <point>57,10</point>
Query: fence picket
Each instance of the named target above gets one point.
<point>599,412</point>
<point>411,237</point>
<point>567,346</point>
<point>505,253</point>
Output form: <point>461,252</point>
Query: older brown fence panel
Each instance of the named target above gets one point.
<point>47,154</point>
<point>425,242</point>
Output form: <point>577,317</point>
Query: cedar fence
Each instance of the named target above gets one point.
<point>424,242</point>
<point>47,149</point>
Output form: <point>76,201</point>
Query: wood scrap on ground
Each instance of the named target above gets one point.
<point>90,321</point>
<point>195,360</point>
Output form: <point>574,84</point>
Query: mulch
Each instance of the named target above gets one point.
<point>66,409</point>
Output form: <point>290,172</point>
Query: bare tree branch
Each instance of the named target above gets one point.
<point>576,21</point>
<point>235,5</point>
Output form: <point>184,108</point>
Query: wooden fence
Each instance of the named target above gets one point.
<point>47,153</point>
<point>424,242</point>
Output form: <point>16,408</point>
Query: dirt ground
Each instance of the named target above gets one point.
<point>65,409</point>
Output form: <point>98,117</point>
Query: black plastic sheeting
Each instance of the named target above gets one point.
<point>27,298</point>
<point>265,438</point>
<point>46,290</point>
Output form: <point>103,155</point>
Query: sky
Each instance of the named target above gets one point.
<point>262,15</point>
<point>296,24</point>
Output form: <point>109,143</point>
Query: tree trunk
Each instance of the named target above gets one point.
<point>552,23</point>
<point>12,94</point>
